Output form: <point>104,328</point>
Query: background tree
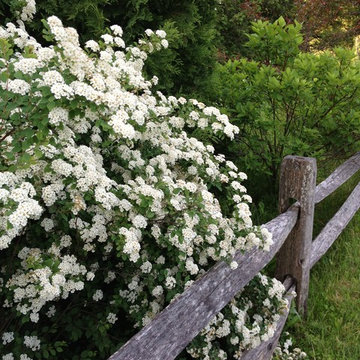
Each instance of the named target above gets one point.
<point>328,23</point>
<point>235,18</point>
<point>287,102</point>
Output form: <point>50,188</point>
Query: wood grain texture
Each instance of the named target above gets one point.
<point>344,172</point>
<point>297,181</point>
<point>335,226</point>
<point>265,350</point>
<point>173,329</point>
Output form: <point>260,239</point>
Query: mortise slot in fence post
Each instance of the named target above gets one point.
<point>297,181</point>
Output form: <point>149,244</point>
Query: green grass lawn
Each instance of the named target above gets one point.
<point>332,328</point>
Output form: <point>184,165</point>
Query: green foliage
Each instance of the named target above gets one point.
<point>274,43</point>
<point>236,16</point>
<point>190,26</point>
<point>288,102</point>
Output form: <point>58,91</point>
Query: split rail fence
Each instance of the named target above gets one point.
<point>174,328</point>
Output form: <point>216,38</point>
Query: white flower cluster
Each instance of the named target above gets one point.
<point>25,357</point>
<point>243,330</point>
<point>32,342</point>
<point>7,337</point>
<point>286,352</point>
<point>8,356</point>
<point>98,295</point>
<point>32,290</point>
<point>16,86</point>
<point>28,11</point>
<point>17,207</point>
<point>113,190</point>
<point>111,318</point>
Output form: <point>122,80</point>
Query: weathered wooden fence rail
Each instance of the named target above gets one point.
<point>266,349</point>
<point>173,329</point>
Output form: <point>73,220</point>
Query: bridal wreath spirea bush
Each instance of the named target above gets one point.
<point>107,205</point>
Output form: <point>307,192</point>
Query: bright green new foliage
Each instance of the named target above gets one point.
<point>288,102</point>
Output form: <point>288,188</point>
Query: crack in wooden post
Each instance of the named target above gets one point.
<point>298,181</point>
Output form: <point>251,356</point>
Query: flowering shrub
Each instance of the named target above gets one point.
<point>107,205</point>
<point>190,26</point>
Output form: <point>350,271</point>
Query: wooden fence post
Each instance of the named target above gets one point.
<point>297,181</point>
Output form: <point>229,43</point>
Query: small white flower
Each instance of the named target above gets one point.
<point>146,267</point>
<point>92,45</point>
<point>8,356</point>
<point>157,291</point>
<point>32,342</point>
<point>139,221</point>
<point>108,39</point>
<point>34,317</point>
<point>170,282</point>
<point>98,295</point>
<point>7,337</point>
<point>117,30</point>
<point>90,276</point>
<point>24,357</point>
<point>160,33</point>
<point>111,318</point>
